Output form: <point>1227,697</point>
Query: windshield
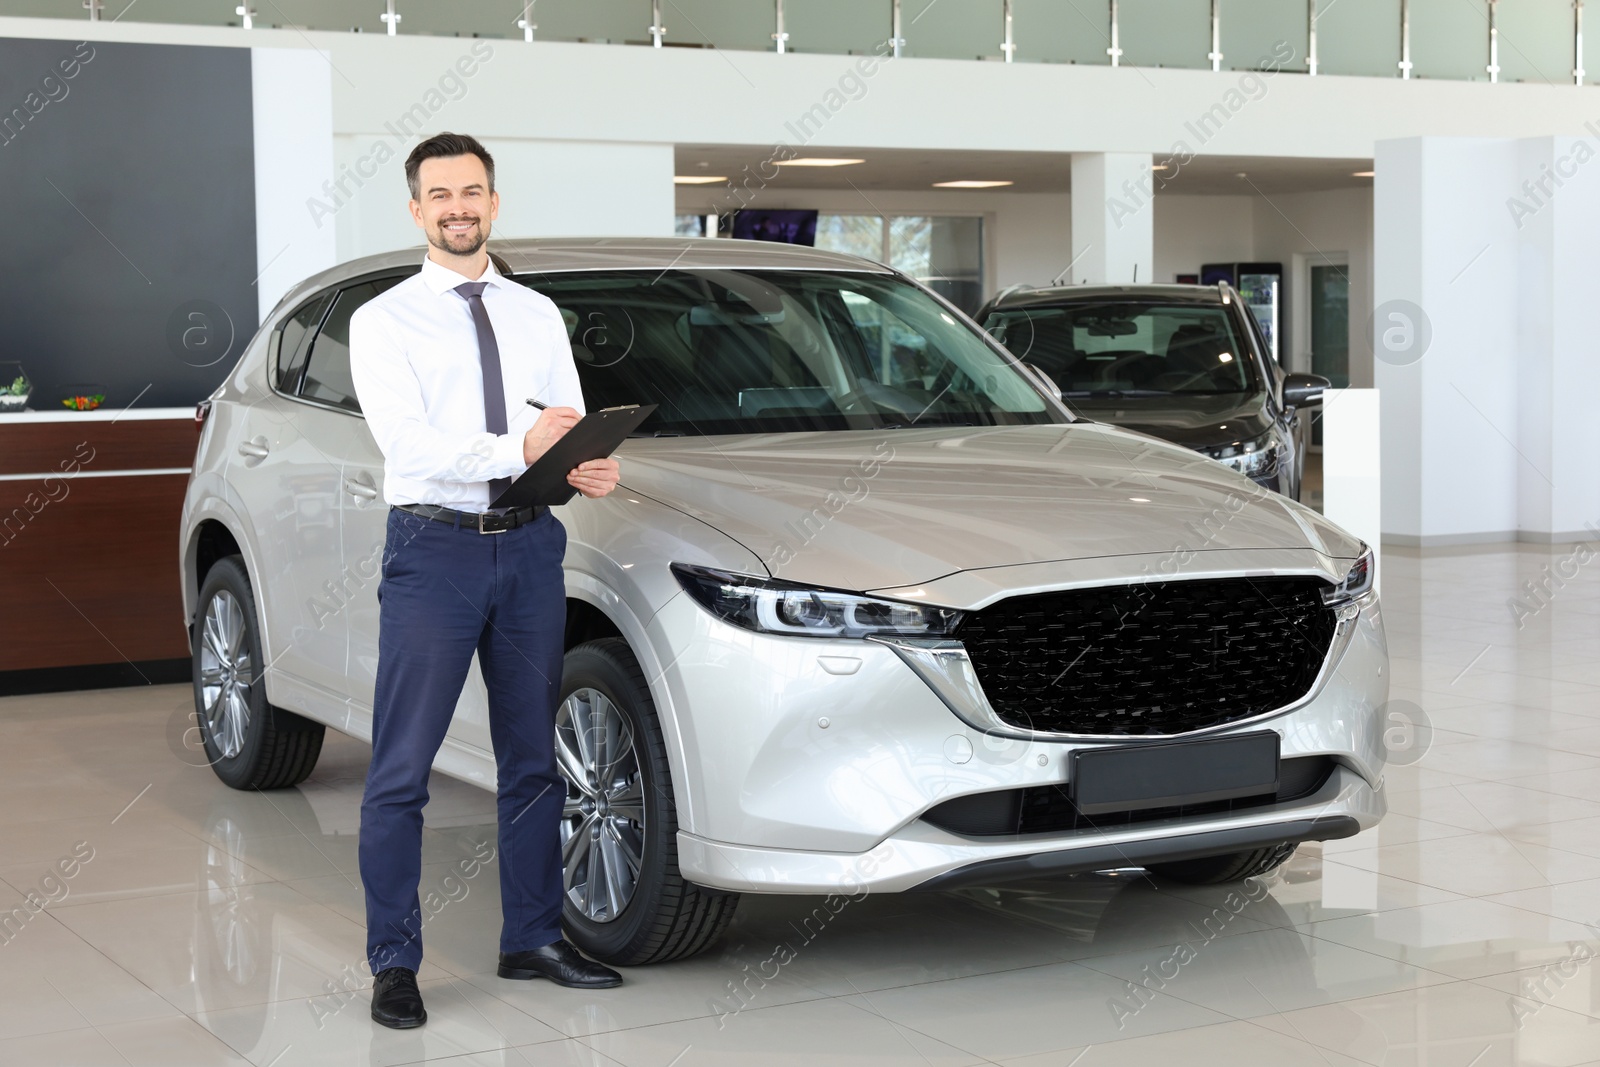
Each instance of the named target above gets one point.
<point>1123,348</point>
<point>760,351</point>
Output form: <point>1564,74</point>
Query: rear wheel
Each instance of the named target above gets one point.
<point>625,900</point>
<point>1232,867</point>
<point>249,743</point>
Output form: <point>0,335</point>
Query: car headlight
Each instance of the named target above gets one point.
<point>773,607</point>
<point>1255,464</point>
<point>1356,585</point>
<point>1254,459</point>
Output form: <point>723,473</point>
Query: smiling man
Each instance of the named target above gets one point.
<point>442,365</point>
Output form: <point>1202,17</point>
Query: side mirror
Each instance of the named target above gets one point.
<point>1300,390</point>
<point>1045,381</point>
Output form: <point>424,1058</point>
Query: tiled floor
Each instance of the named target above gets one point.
<point>214,927</point>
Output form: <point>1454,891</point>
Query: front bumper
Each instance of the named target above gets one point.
<point>922,856</point>
<point>800,762</point>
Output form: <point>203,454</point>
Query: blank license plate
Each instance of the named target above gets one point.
<point>1165,774</point>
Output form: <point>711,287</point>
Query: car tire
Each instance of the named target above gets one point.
<point>249,743</point>
<point>604,696</point>
<point>1232,867</point>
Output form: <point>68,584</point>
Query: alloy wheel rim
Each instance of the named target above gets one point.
<point>226,674</point>
<point>603,820</point>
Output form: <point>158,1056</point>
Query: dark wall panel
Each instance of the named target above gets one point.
<point>128,251</point>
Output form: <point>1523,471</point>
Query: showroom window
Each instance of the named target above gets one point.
<point>945,252</point>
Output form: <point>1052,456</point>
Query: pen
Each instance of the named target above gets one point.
<point>534,403</point>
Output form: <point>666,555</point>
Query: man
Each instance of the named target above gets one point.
<point>443,364</point>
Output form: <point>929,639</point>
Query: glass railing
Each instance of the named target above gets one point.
<point>1478,40</point>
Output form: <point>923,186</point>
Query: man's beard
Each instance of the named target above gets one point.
<point>459,244</point>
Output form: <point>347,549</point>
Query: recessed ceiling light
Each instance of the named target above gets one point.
<point>1162,166</point>
<point>1140,499</point>
<point>1362,174</point>
<point>817,161</point>
<point>697,179</point>
<point>1225,357</point>
<point>970,184</point>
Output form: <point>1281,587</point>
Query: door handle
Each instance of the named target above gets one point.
<point>254,449</point>
<point>357,487</point>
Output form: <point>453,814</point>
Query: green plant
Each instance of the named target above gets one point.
<point>17,388</point>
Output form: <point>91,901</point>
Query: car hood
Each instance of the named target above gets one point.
<point>1190,421</point>
<point>866,510</point>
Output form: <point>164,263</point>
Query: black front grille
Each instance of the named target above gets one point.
<point>1044,809</point>
<point>1151,658</point>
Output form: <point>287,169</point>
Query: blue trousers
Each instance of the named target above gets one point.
<point>445,593</point>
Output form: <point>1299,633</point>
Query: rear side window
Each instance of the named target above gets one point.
<point>327,374</point>
<point>294,340</point>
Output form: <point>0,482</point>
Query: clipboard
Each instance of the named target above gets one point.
<point>596,436</point>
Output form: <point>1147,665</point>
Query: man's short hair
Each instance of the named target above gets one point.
<point>442,146</point>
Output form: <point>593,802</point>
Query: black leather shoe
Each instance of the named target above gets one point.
<point>396,1001</point>
<point>561,964</point>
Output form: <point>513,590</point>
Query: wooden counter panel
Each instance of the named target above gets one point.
<point>131,444</point>
<point>92,576</point>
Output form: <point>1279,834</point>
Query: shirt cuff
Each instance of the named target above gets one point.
<point>506,456</point>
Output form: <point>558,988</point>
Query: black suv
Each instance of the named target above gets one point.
<point>1186,363</point>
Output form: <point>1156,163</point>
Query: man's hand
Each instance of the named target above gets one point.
<point>546,431</point>
<point>596,477</point>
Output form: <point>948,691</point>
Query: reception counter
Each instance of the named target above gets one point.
<point>89,510</point>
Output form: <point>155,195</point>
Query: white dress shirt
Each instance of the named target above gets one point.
<point>414,361</point>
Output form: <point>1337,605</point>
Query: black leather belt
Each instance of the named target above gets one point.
<point>489,522</point>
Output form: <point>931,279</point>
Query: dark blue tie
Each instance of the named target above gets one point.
<point>494,389</point>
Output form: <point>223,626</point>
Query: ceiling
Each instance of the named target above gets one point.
<point>1032,172</point>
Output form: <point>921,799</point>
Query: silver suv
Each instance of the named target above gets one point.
<point>871,611</point>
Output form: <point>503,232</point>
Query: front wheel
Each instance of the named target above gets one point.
<point>249,743</point>
<point>1233,867</point>
<point>625,901</point>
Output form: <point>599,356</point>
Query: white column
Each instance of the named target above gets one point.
<point>1111,217</point>
<point>291,91</point>
<point>1556,208</point>
<point>1444,337</point>
<point>1487,245</point>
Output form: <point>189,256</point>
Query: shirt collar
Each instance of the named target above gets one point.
<point>441,280</point>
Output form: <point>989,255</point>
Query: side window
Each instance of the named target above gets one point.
<point>327,376</point>
<point>294,338</point>
<point>1274,369</point>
